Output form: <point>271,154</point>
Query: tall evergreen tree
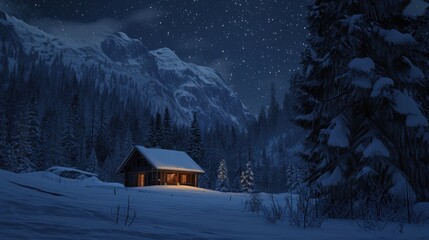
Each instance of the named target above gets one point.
<point>261,126</point>
<point>73,138</point>
<point>247,180</point>
<point>359,95</point>
<point>92,163</point>
<point>35,135</point>
<point>195,147</point>
<point>274,110</point>
<point>294,177</point>
<point>167,132</point>
<point>265,168</point>
<point>157,140</point>
<point>150,141</point>
<point>52,151</point>
<point>20,157</point>
<point>101,145</point>
<point>3,134</point>
<point>222,182</point>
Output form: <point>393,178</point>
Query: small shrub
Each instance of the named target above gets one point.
<point>254,204</point>
<point>274,212</point>
<point>305,213</point>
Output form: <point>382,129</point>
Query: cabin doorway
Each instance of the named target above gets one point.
<point>140,180</point>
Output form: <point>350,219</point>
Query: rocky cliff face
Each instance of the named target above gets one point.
<point>158,79</point>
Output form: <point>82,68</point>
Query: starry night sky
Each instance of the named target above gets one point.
<point>253,43</point>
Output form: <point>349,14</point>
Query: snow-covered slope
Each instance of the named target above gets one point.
<point>158,79</point>
<point>43,205</point>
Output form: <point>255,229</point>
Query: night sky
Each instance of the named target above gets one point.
<point>253,43</point>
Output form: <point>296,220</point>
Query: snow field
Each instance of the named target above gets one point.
<point>42,205</point>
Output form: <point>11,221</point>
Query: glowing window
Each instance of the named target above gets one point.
<point>171,178</point>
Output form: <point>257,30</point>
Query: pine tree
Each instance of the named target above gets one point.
<point>101,146</point>
<point>92,163</point>
<point>73,131</point>
<point>3,134</point>
<point>127,143</point>
<point>195,147</point>
<point>265,168</point>
<point>294,177</point>
<point>222,182</point>
<point>150,139</point>
<point>247,180</point>
<point>261,126</point>
<point>420,29</point>
<point>35,135</point>
<point>359,94</point>
<point>274,110</point>
<point>21,152</point>
<point>237,169</point>
<point>157,139</point>
<point>167,139</point>
<point>283,174</point>
<point>108,169</point>
<point>52,151</point>
<point>285,121</point>
<point>90,135</point>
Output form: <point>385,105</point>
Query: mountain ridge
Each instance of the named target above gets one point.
<point>159,76</point>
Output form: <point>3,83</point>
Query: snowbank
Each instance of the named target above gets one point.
<point>34,206</point>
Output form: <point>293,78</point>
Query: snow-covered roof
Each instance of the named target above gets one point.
<point>163,159</point>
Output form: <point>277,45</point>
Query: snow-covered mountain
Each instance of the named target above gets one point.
<point>159,79</point>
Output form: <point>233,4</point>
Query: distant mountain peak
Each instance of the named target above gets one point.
<point>121,35</point>
<point>166,53</point>
<point>119,47</point>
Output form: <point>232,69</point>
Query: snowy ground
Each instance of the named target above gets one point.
<point>42,205</point>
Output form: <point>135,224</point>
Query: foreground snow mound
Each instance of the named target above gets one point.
<point>73,176</point>
<point>44,205</point>
<point>72,173</point>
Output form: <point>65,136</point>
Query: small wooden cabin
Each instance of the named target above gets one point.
<point>154,166</point>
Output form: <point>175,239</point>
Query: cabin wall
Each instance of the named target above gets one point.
<point>162,178</point>
<point>131,180</point>
<point>136,164</point>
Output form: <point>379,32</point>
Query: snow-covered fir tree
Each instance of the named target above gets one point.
<point>247,180</point>
<point>3,133</point>
<point>92,163</point>
<point>222,182</point>
<point>35,135</point>
<point>359,94</point>
<point>273,110</point>
<point>72,136</point>
<point>157,141</point>
<point>51,137</point>
<point>167,132</point>
<point>195,146</point>
<point>150,140</point>
<point>294,177</point>
<point>21,154</point>
<point>155,136</point>
<point>109,167</point>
